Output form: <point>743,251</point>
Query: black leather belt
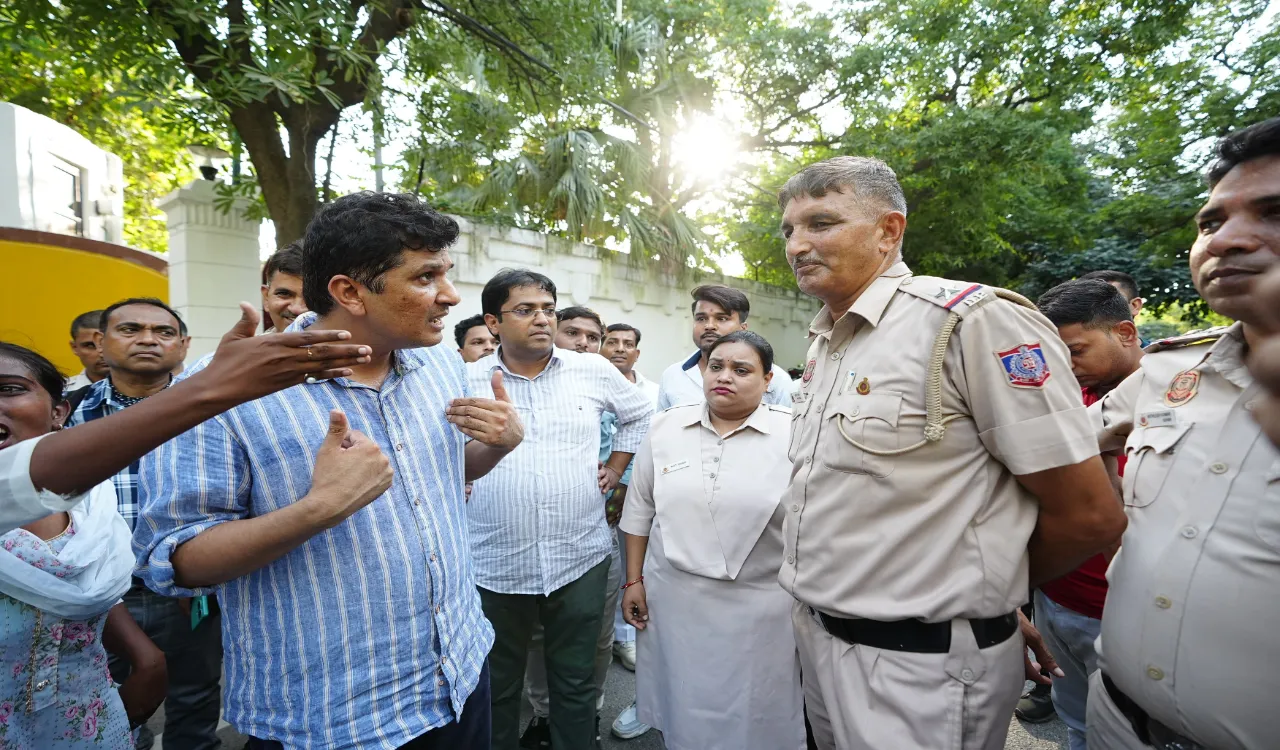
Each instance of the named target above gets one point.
<point>916,636</point>
<point>1150,731</point>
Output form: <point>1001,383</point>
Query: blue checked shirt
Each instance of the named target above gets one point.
<point>369,634</point>
<point>537,520</point>
<point>98,403</point>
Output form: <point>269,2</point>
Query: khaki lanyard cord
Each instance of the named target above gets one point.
<point>935,425</point>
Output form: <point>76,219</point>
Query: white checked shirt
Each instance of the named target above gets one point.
<point>537,520</point>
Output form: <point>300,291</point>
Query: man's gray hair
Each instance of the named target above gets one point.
<point>866,177</point>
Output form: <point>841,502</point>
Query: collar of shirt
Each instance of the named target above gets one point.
<point>403,361</point>
<point>494,362</point>
<point>869,306</point>
<point>1226,356</point>
<point>758,421</point>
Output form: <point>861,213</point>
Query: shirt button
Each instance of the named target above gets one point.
<point>853,412</point>
<point>440,683</point>
<point>444,660</point>
<point>399,446</point>
<point>713,476</point>
<point>1189,532</point>
<point>720,441</point>
<point>966,675</point>
<point>417,501</point>
<point>1218,468</point>
<point>795,508</point>
<point>1163,602</point>
<point>808,459</point>
<point>835,356</point>
<point>716,460</point>
<point>433,557</point>
<point>1155,673</point>
<point>791,559</point>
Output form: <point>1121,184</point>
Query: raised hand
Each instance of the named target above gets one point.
<point>492,421</point>
<point>351,471</point>
<point>246,366</point>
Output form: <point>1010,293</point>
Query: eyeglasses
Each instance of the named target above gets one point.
<point>524,313</point>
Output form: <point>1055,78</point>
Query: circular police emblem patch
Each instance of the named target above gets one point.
<point>1183,388</point>
<point>808,370</point>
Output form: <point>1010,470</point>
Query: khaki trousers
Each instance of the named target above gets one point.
<point>864,698</point>
<point>1108,728</point>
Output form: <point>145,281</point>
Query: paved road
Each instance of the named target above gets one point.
<point>620,689</point>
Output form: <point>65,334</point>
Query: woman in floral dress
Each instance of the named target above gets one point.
<point>61,579</point>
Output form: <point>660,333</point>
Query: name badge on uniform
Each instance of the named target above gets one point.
<point>1158,418</point>
<point>799,397</point>
<point>677,466</point>
<point>850,380</point>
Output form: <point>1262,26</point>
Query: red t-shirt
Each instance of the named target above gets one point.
<point>1084,589</point>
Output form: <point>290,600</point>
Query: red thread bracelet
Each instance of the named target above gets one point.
<point>629,584</point>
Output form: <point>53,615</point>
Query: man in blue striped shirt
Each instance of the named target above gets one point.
<point>350,612</point>
<point>537,522</point>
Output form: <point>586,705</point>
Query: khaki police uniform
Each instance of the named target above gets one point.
<point>903,504</point>
<point>1189,631</point>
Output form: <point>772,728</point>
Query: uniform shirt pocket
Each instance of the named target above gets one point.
<point>798,410</point>
<point>1149,459</point>
<point>1267,524</point>
<point>862,426</point>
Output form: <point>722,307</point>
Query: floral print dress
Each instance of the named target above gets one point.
<point>55,690</point>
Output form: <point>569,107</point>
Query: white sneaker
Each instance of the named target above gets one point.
<point>628,725</point>
<point>626,653</point>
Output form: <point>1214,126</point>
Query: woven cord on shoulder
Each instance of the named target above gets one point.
<point>935,425</point>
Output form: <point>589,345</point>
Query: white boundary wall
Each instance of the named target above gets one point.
<point>656,304</point>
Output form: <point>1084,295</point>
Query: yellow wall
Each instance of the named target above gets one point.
<point>44,287</point>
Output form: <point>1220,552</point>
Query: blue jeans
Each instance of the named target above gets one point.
<point>194,659</point>
<point>1070,637</point>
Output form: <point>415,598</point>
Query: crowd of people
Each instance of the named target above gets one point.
<point>338,532</point>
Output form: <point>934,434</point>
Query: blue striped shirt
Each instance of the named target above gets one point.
<point>370,633</point>
<point>537,520</point>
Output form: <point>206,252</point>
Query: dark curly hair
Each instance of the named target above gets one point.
<point>363,235</point>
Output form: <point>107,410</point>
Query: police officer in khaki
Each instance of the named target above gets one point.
<point>1189,649</point>
<point>942,464</point>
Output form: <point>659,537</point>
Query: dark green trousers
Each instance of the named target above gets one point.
<point>570,618</point>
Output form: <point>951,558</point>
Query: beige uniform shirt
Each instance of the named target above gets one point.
<point>1190,626</point>
<point>712,496</point>
<point>940,532</point>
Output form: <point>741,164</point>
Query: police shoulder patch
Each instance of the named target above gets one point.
<point>1025,365</point>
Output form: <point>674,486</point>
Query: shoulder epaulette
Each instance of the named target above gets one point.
<point>1191,338</point>
<point>775,407</point>
<point>957,296</point>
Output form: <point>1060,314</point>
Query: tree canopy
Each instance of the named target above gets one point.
<point>1034,139</point>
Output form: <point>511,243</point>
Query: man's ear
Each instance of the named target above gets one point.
<point>892,226</point>
<point>491,322</point>
<point>348,294</point>
<point>98,339</point>
<point>1127,333</point>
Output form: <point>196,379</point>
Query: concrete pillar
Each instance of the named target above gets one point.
<point>213,263</point>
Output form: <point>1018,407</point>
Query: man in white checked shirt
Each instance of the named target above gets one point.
<point>537,522</point>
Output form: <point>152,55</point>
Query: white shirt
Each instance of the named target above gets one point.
<point>649,388</point>
<point>537,519</point>
<point>682,384</point>
<point>20,501</point>
<point>79,380</point>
